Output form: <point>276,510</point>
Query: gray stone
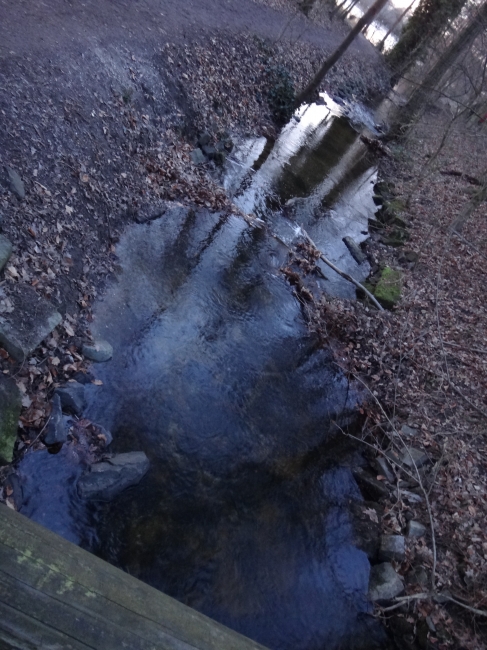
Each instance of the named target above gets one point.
<point>415,529</point>
<point>383,468</point>
<point>99,351</point>
<point>5,251</point>
<point>355,251</point>
<point>104,433</point>
<point>204,139</point>
<point>392,548</point>
<point>55,430</point>
<point>72,397</point>
<point>104,481</point>
<point>414,458</point>
<point>408,431</point>
<point>385,583</point>
<point>15,182</point>
<point>209,151</point>
<point>411,497</point>
<point>370,487</point>
<point>197,157</point>
<point>31,320</point>
<point>10,407</point>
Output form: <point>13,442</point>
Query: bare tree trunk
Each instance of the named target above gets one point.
<point>463,40</point>
<point>382,43</point>
<point>314,84</point>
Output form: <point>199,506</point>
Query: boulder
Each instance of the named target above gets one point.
<point>72,397</point>
<point>392,548</point>
<point>30,321</point>
<point>99,351</point>
<point>415,529</point>
<point>55,430</point>
<point>10,407</point>
<point>5,251</point>
<point>385,583</point>
<point>105,480</point>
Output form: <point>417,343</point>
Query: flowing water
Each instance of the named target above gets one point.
<point>245,512</point>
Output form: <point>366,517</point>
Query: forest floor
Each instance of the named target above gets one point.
<point>101,105</point>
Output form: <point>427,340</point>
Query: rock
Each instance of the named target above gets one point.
<point>151,212</point>
<point>99,351</point>
<point>414,458</point>
<point>55,431</point>
<point>415,529</point>
<point>209,151</point>
<point>408,431</point>
<point>355,251</point>
<point>15,183</point>
<point>388,289</point>
<point>367,516</point>
<point>410,256</point>
<point>378,199</point>
<point>220,157</point>
<point>31,320</point>
<point>83,377</point>
<point>370,487</point>
<point>5,251</point>
<point>104,434</point>
<point>72,397</point>
<point>411,497</point>
<point>392,548</point>
<point>197,157</point>
<point>383,468</point>
<point>104,481</point>
<point>10,407</point>
<point>385,583</point>
<point>204,139</point>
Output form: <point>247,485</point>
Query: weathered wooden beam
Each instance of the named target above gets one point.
<point>54,594</point>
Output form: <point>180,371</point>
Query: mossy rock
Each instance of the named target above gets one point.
<point>388,289</point>
<point>10,406</point>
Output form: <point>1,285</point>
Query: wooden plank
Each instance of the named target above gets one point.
<point>95,605</point>
<point>19,631</point>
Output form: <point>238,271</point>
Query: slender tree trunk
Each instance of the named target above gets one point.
<point>463,40</point>
<point>383,41</point>
<point>308,92</point>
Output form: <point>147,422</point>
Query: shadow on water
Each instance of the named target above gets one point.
<point>245,512</point>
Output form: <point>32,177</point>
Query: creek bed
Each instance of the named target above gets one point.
<point>245,512</point>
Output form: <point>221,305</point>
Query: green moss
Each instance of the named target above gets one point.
<point>10,406</point>
<point>388,289</point>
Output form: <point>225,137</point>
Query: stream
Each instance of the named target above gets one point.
<point>245,512</point>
